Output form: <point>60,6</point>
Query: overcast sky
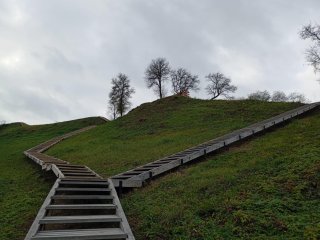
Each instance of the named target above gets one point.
<point>57,57</point>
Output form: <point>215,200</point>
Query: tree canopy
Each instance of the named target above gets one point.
<point>156,74</point>
<point>219,85</point>
<point>183,81</point>
<point>119,97</point>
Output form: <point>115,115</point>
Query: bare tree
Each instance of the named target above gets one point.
<point>312,53</point>
<point>219,85</point>
<point>297,97</point>
<point>156,74</point>
<point>120,95</point>
<point>260,96</point>
<point>183,81</point>
<point>279,96</point>
<point>113,107</point>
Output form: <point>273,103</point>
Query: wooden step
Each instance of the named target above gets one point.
<point>82,189</point>
<point>79,219</point>
<point>80,206</point>
<point>103,183</point>
<point>75,170</point>
<point>130,173</point>
<point>63,180</point>
<point>48,161</point>
<point>67,167</point>
<point>70,165</point>
<point>79,174</point>
<point>82,178</point>
<point>121,177</point>
<point>82,197</point>
<point>154,165</point>
<point>100,233</point>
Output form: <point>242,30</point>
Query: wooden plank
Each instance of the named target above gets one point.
<point>68,189</point>
<point>81,178</point>
<point>127,183</point>
<point>88,234</point>
<point>67,168</point>
<point>63,180</point>
<point>75,170</point>
<point>102,183</point>
<point>79,219</point>
<point>81,197</point>
<point>70,166</point>
<point>56,171</point>
<point>79,174</point>
<point>124,224</point>
<point>80,206</point>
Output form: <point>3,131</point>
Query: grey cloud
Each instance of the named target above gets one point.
<point>58,57</point>
<point>55,60</point>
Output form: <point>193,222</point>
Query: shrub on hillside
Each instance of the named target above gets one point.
<point>260,96</point>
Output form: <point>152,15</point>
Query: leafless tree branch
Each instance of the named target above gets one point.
<point>219,85</point>
<point>312,53</point>
<point>260,96</point>
<point>279,96</point>
<point>156,74</point>
<point>119,97</point>
<point>183,81</point>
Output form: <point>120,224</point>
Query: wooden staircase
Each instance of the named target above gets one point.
<point>138,176</point>
<point>80,205</point>
<point>83,205</point>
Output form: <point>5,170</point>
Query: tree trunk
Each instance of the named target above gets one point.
<point>160,89</point>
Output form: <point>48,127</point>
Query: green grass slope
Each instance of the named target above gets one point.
<point>265,188</point>
<point>157,129</point>
<point>23,185</point>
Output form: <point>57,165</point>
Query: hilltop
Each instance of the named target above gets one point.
<point>163,127</point>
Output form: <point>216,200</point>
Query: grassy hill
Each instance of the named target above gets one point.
<point>265,188</point>
<point>23,186</point>
<point>157,129</point>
